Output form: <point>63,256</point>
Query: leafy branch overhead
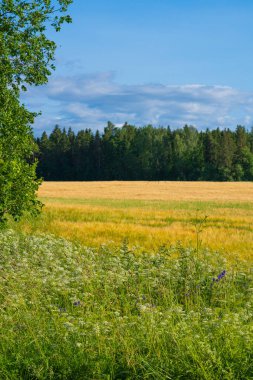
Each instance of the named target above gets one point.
<point>27,54</point>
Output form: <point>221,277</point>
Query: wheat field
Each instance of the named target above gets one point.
<point>130,302</point>
<point>146,190</point>
<point>150,214</point>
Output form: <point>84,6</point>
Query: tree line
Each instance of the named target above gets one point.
<point>146,153</point>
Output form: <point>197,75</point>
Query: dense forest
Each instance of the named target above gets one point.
<point>146,153</point>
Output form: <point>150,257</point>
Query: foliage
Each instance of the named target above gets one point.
<point>70,312</point>
<point>18,183</point>
<point>26,56</point>
<point>147,153</point>
<point>26,52</point>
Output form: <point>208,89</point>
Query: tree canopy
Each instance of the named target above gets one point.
<point>26,58</point>
<point>146,153</point>
<point>27,54</point>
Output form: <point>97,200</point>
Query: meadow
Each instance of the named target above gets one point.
<point>149,214</point>
<point>72,312</point>
<point>128,281</point>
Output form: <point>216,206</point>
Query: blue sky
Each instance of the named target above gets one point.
<point>151,61</point>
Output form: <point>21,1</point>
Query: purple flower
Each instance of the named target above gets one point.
<point>76,303</point>
<point>221,275</point>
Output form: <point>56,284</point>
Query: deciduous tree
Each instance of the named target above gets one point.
<point>26,59</point>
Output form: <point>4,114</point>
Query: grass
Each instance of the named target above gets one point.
<point>71,312</point>
<point>149,214</point>
<point>132,293</point>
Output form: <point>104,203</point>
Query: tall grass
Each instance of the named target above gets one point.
<point>149,224</point>
<point>72,312</point>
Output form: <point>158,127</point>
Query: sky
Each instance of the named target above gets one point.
<point>160,62</point>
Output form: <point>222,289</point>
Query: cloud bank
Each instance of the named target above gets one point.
<point>89,101</point>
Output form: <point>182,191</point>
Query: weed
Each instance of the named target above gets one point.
<point>73,312</point>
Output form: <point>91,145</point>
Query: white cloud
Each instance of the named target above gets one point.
<point>89,101</point>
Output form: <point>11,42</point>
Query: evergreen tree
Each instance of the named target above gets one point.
<point>146,153</point>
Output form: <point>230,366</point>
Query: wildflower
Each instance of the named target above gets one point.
<point>220,276</point>
<point>76,303</point>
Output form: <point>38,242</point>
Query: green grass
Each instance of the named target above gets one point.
<point>151,204</point>
<point>75,215</point>
<point>72,312</point>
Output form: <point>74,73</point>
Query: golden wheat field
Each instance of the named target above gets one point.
<point>150,214</point>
